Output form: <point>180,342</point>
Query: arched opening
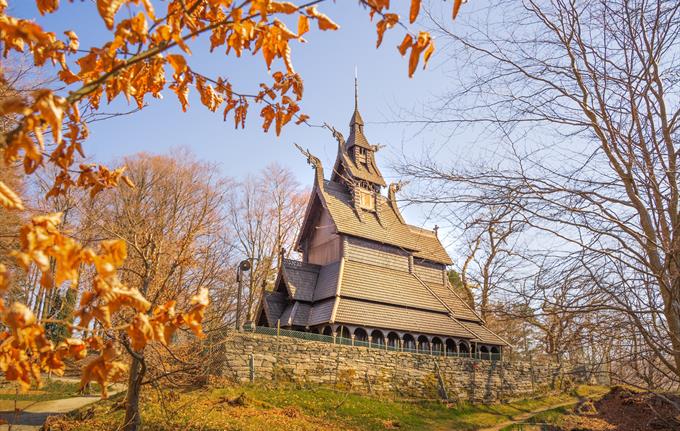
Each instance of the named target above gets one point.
<point>495,353</point>
<point>393,340</point>
<point>409,342</point>
<point>377,338</point>
<point>464,348</point>
<point>484,352</point>
<point>423,344</point>
<point>343,332</point>
<point>437,346</point>
<point>360,335</point>
<point>327,330</point>
<point>450,347</point>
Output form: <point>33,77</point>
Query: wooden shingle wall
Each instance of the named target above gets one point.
<point>324,244</point>
<point>377,254</point>
<point>429,273</point>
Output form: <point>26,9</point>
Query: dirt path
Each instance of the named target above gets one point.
<point>524,416</point>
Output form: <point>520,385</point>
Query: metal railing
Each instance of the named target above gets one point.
<point>344,341</point>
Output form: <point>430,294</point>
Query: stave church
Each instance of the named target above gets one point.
<point>365,273</point>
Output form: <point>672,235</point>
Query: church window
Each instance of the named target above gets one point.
<point>366,199</point>
<point>361,157</point>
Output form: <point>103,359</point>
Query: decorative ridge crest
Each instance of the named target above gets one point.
<point>311,159</point>
<point>315,162</point>
<point>392,191</point>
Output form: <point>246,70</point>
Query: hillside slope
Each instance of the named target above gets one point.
<point>292,408</point>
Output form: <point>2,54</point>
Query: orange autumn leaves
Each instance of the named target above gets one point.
<point>147,53</point>
<point>423,44</point>
<point>25,351</point>
<point>134,64</point>
<point>165,320</point>
<point>420,45</point>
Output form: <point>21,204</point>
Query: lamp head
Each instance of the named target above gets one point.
<point>244,265</point>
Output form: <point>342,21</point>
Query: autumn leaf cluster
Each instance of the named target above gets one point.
<point>148,52</point>
<point>25,350</point>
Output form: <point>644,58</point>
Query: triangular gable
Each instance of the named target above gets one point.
<point>316,200</point>
<point>272,306</point>
<point>299,279</point>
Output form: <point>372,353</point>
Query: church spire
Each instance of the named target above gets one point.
<point>356,117</point>
<point>356,89</point>
<point>356,157</point>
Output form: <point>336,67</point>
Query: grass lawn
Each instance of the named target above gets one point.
<point>51,389</point>
<point>555,416</point>
<point>290,408</point>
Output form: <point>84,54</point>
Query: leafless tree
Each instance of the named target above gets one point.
<point>265,212</point>
<point>492,253</point>
<point>172,222</point>
<point>582,103</point>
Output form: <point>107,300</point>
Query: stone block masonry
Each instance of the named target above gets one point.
<point>263,358</point>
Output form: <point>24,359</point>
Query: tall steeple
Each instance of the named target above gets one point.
<point>356,119</point>
<point>356,88</point>
<point>356,123</point>
<point>356,157</point>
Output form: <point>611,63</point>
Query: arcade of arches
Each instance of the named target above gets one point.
<point>409,342</point>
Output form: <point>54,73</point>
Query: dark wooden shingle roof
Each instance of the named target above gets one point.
<point>274,304</point>
<point>375,283</point>
<point>387,230</point>
<point>327,283</point>
<point>357,312</point>
<point>300,278</point>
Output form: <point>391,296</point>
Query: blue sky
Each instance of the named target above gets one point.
<point>326,63</point>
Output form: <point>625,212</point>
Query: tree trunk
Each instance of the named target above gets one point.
<point>133,420</point>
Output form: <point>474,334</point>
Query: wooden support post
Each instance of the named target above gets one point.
<point>251,366</point>
<point>352,339</point>
<point>369,341</point>
<point>278,327</point>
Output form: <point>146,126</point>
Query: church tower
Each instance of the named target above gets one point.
<point>355,166</point>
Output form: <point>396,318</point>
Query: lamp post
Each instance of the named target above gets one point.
<point>244,266</point>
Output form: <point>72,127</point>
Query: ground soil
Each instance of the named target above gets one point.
<point>625,410</point>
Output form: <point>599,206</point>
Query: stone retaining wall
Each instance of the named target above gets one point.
<point>266,358</point>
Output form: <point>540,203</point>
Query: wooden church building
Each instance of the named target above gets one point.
<point>365,273</point>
